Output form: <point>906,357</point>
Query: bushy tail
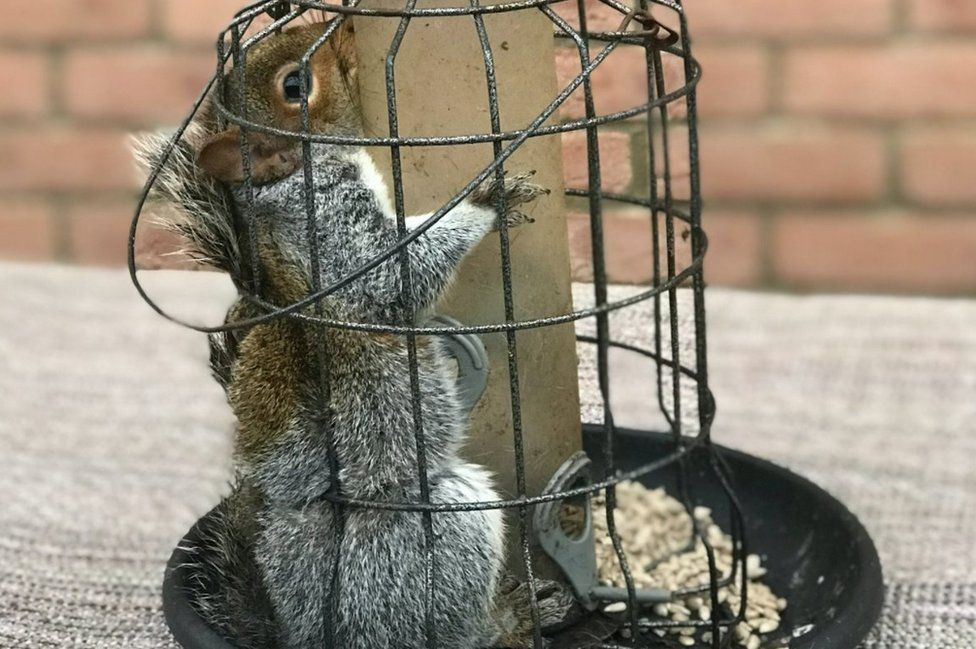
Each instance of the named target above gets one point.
<point>226,587</point>
<point>204,213</point>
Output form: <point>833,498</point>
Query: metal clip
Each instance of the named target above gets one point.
<point>576,555</point>
<point>469,352</point>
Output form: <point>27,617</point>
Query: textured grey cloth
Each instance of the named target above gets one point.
<point>113,440</point>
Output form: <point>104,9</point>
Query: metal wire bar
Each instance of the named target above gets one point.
<point>675,339</point>
<point>701,356</point>
<point>519,325</point>
<point>655,212</point>
<point>600,297</point>
<point>473,138</point>
<point>657,87</point>
<point>240,225</point>
<point>573,316</point>
<point>511,342</point>
<point>430,631</point>
<point>620,476</point>
<point>638,28</point>
<point>441,12</point>
<point>392,250</point>
<point>313,234</point>
<point>240,59</point>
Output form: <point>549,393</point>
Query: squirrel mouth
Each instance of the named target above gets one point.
<point>274,158</point>
<point>269,157</point>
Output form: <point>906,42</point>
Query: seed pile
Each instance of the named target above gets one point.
<point>656,535</point>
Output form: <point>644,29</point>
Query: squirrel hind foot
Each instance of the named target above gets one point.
<point>556,605</point>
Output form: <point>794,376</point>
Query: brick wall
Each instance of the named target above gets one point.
<point>838,137</point>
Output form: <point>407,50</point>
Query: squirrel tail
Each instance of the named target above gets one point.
<point>228,590</point>
<point>204,212</point>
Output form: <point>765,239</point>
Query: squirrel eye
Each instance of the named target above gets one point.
<point>291,87</point>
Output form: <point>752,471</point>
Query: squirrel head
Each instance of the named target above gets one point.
<point>272,96</point>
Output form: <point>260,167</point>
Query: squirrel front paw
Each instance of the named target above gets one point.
<point>515,190</point>
<point>513,219</point>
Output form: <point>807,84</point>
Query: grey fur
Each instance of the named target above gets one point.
<point>204,212</point>
<point>379,590</point>
<point>269,574</point>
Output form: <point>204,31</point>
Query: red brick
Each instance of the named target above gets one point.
<point>615,161</point>
<point>157,247</point>
<point>619,82</point>
<point>599,16</point>
<point>938,167</point>
<point>735,248</point>
<point>26,231</point>
<point>942,15</point>
<point>734,256</point>
<point>99,232</point>
<point>627,241</point>
<point>24,76</point>
<point>58,159</point>
<point>887,251</point>
<point>58,20</point>
<point>194,20</point>
<point>754,163</point>
<point>677,160</point>
<point>789,19</point>
<point>134,83</point>
<point>887,81</point>
<point>676,163</point>
<point>735,82</point>
<point>792,165</point>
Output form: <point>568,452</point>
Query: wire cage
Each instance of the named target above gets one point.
<point>658,30</point>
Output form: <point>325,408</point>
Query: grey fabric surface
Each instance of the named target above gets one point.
<point>113,440</point>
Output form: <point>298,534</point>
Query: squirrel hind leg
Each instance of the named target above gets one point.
<point>513,610</point>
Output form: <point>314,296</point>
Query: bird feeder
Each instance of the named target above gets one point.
<point>455,94</point>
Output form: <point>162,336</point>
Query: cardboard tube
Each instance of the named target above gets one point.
<point>441,89</point>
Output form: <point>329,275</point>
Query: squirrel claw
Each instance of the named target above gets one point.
<point>516,190</point>
<point>554,601</point>
<point>514,218</point>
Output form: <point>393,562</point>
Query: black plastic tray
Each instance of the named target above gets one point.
<point>817,553</point>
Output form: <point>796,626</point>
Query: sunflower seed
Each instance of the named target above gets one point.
<point>616,607</point>
<point>768,626</point>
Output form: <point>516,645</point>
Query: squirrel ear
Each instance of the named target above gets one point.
<point>344,41</point>
<point>346,30</point>
<point>272,158</point>
<point>221,156</point>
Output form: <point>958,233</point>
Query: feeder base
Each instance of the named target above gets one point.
<point>818,555</point>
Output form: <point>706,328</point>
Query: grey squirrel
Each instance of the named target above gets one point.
<point>267,570</point>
